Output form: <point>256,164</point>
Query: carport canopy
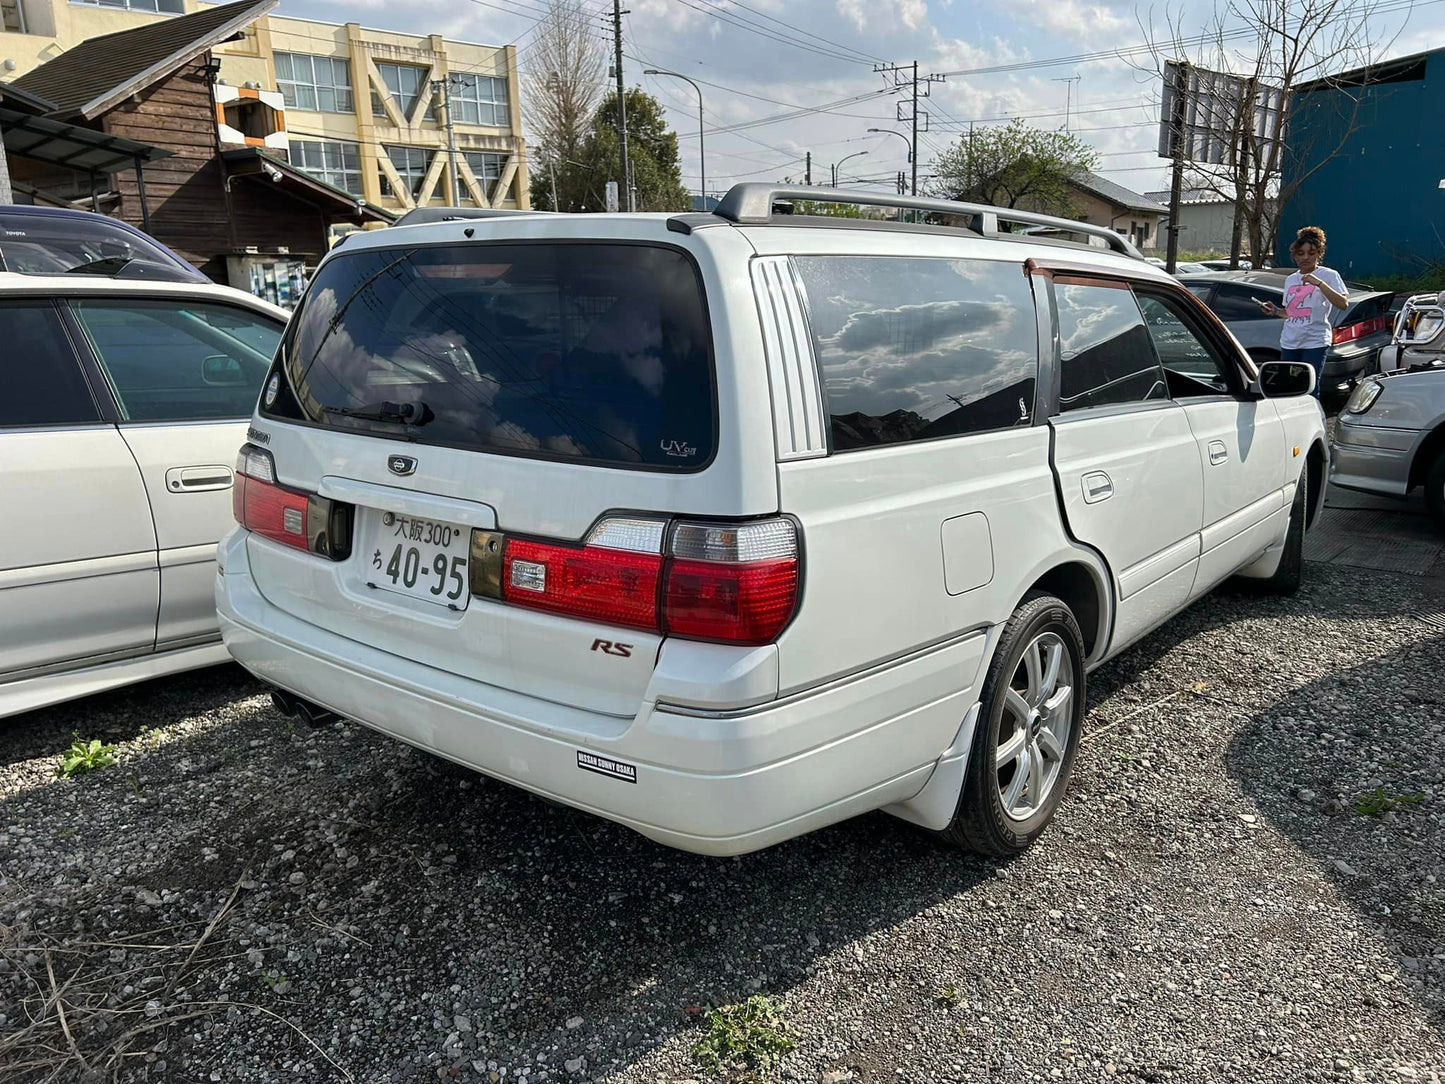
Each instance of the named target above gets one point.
<point>71,145</point>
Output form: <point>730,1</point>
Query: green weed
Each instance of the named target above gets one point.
<point>752,1035</point>
<point>1377,801</point>
<point>85,756</point>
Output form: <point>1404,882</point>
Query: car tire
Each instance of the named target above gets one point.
<point>1435,490</point>
<point>1033,715</point>
<point>1287,577</point>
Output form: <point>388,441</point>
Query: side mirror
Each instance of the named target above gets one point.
<point>1284,379</point>
<point>222,370</point>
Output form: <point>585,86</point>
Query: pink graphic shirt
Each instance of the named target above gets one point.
<point>1307,310</point>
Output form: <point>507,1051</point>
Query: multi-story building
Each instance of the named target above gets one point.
<point>365,110</point>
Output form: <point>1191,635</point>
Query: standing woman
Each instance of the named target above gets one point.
<point>1309,293</point>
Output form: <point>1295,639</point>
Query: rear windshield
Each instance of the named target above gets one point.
<point>40,244</point>
<point>592,352</point>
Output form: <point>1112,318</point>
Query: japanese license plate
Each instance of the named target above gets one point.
<point>420,558</point>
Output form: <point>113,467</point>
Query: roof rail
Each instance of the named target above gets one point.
<point>751,204</point>
<point>422,215</point>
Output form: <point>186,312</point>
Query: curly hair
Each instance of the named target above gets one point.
<point>1309,235</point>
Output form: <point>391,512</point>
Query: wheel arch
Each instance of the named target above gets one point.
<point>1425,453</point>
<point>1315,472</point>
<point>1081,581</point>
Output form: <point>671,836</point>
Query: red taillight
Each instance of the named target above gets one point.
<point>727,583</point>
<point>612,586</point>
<point>741,604</point>
<point>1363,330</point>
<point>283,515</point>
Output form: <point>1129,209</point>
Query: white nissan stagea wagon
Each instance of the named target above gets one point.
<point>730,526</point>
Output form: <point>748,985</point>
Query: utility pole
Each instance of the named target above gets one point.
<point>1177,114</point>
<point>444,88</point>
<point>912,80</point>
<point>808,169</point>
<point>617,14</point>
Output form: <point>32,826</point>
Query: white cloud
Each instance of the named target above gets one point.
<point>1072,16</point>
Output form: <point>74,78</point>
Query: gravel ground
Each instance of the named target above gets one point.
<point>243,899</point>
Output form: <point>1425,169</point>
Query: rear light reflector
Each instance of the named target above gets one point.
<point>288,516</point>
<point>1363,330</point>
<point>613,586</point>
<point>723,582</point>
<point>733,603</point>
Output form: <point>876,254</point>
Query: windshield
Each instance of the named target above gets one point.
<point>594,352</point>
<point>34,244</point>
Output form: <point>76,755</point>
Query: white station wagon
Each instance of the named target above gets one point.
<point>729,526</point>
<point>123,405</point>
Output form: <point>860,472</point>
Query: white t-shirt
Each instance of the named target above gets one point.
<point>1307,310</point>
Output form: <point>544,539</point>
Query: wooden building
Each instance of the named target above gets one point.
<point>223,194</point>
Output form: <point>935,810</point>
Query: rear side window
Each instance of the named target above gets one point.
<point>1105,353</point>
<point>40,373</point>
<point>917,349</point>
<point>177,361</point>
<point>591,352</point>
<point>1234,304</point>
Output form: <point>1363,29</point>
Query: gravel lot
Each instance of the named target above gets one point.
<point>242,899</point>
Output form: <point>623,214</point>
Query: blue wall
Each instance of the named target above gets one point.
<point>1379,201</point>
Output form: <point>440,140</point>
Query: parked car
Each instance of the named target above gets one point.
<point>1390,438</point>
<point>58,241</point>
<point>1223,265</point>
<point>1360,332</point>
<point>729,526</point>
<point>125,403</point>
<point>1419,335</point>
<point>1183,269</point>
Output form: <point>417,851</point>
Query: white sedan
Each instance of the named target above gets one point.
<point>124,405</point>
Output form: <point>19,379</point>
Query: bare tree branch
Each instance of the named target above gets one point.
<point>563,77</point>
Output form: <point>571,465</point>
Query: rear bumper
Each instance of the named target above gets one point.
<point>725,783</point>
<point>1371,458</point>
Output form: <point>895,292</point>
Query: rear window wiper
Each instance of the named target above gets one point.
<point>413,413</point>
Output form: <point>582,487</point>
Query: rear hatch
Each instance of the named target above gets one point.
<point>1366,323</point>
<point>496,438</point>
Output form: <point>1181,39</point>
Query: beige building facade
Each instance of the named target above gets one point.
<point>365,110</point>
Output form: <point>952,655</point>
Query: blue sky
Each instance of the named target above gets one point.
<point>830,57</point>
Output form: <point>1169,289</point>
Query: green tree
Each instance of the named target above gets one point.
<point>651,151</point>
<point>1014,165</point>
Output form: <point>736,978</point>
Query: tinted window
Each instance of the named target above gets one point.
<point>1232,304</point>
<point>42,378</point>
<point>171,361</point>
<point>594,352</point>
<point>913,349</point>
<point>42,244</point>
<point>1106,356</point>
<point>1182,351</point>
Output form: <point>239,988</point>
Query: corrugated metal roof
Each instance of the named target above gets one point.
<point>1189,195</point>
<point>93,76</point>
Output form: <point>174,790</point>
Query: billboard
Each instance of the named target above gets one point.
<point>1212,111</point>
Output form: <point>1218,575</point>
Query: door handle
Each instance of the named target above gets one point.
<point>1218,453</point>
<point>198,479</point>
<point>1098,486</point>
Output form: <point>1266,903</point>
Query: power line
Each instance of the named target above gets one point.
<point>732,19</point>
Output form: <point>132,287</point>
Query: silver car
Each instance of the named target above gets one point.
<point>1390,438</point>
<point>1359,333</point>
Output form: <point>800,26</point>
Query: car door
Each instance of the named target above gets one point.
<point>78,577</point>
<point>1240,439</point>
<point>184,374</point>
<point>1124,454</point>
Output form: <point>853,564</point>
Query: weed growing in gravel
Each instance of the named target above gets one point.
<point>947,995</point>
<point>83,756</point>
<point>1373,803</point>
<point>753,1034</point>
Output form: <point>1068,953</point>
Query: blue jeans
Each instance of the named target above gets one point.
<point>1314,358</point>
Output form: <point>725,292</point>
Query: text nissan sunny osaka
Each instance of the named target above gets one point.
<point>730,526</point>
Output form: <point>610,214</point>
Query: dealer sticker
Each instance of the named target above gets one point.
<point>615,769</point>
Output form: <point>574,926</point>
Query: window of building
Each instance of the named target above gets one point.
<point>322,83</point>
<point>405,81</point>
<point>487,168</point>
<point>337,164</point>
<point>478,99</point>
<point>918,349</point>
<point>1106,356</point>
<point>412,164</point>
<point>164,7</point>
